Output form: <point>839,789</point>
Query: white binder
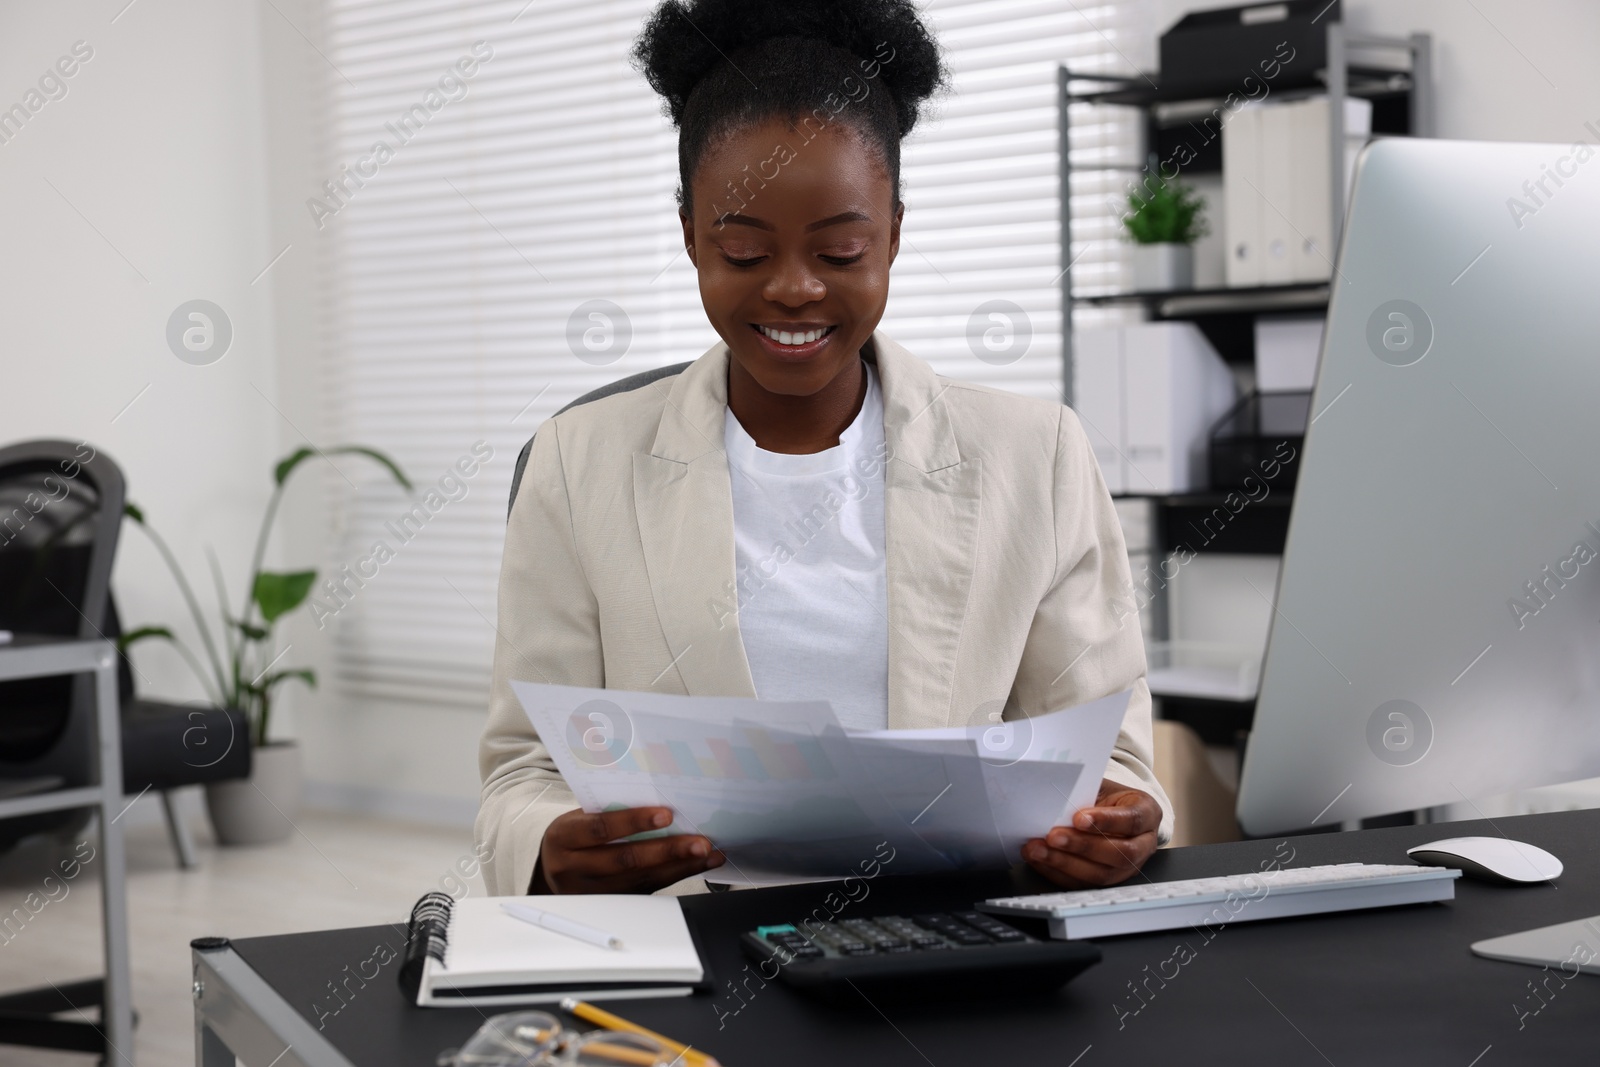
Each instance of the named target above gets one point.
<point>1097,396</point>
<point>1277,195</point>
<point>1241,178</point>
<point>1176,387</point>
<point>1281,191</point>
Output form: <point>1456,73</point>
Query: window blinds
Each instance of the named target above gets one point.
<point>494,172</point>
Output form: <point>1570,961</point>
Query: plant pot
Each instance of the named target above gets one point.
<point>1163,267</point>
<point>260,809</point>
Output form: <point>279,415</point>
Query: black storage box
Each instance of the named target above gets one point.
<point>1283,45</point>
<point>1261,438</point>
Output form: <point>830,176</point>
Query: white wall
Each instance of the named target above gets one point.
<point>138,190</point>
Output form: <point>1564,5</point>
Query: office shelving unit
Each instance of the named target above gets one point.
<point>1395,73</point>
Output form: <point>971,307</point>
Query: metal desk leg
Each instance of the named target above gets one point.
<point>209,1051</point>
<point>116,1014</point>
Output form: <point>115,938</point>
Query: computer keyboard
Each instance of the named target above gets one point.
<point>952,953</point>
<point>1142,907</point>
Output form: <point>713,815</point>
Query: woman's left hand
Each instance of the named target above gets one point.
<point>1105,844</point>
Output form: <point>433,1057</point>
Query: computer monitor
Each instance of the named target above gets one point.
<point>1436,636</point>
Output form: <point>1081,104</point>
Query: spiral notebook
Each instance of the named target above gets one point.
<point>469,953</point>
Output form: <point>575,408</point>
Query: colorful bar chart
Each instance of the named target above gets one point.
<point>764,756</point>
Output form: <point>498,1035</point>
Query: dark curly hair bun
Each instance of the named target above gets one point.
<point>722,65</point>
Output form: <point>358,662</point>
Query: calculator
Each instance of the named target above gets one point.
<point>947,953</point>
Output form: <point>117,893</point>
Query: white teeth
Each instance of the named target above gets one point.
<point>784,337</point>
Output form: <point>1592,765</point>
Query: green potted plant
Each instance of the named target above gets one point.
<point>1164,220</point>
<point>242,667</point>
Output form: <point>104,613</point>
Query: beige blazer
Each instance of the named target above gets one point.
<point>1007,575</point>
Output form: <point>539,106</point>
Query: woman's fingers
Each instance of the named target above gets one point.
<point>1068,869</point>
<point>581,830</point>
<point>645,864</point>
<point>583,852</point>
<point>1120,821</point>
<point>1105,849</point>
<point>1088,858</point>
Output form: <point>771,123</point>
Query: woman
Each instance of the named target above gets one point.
<point>807,510</point>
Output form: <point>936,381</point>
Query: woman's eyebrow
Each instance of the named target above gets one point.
<point>761,224</point>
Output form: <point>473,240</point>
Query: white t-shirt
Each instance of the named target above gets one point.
<point>808,545</point>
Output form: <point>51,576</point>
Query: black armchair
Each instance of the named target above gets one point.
<point>60,516</point>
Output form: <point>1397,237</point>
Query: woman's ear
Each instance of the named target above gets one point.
<point>688,237</point>
<point>894,230</point>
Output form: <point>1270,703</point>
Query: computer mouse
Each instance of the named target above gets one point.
<point>1495,859</point>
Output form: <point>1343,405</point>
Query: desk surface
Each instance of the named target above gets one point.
<point>1378,987</point>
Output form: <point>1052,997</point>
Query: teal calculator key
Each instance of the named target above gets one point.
<point>765,931</point>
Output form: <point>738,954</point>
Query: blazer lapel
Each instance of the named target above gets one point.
<point>931,508</point>
<point>685,514</point>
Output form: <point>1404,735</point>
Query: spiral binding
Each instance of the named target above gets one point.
<point>427,935</point>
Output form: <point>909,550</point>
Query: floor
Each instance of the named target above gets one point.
<point>337,870</point>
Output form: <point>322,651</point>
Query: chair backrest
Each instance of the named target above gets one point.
<point>622,385</point>
<point>60,514</point>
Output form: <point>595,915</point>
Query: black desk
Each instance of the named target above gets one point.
<point>1360,988</point>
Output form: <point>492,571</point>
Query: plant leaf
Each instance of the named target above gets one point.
<point>1163,211</point>
<point>131,510</point>
<point>276,594</point>
<point>305,674</point>
<point>250,630</point>
<point>287,465</point>
<point>378,457</point>
<point>140,634</point>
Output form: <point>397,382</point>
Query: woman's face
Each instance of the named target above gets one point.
<point>816,228</point>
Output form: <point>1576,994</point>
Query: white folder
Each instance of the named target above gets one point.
<point>1176,388</point>
<point>1311,196</point>
<point>1097,396</point>
<point>1279,185</point>
<point>1241,199</point>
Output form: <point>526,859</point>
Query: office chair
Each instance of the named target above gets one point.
<point>60,516</point>
<point>622,385</point>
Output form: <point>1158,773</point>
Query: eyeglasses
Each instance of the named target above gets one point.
<point>536,1039</point>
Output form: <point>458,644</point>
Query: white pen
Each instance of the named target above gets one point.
<point>562,925</point>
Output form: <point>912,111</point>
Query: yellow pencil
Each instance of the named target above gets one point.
<point>616,1053</point>
<point>589,1013</point>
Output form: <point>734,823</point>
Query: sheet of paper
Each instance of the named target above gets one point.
<point>1084,735</point>
<point>789,795</point>
<point>938,788</point>
<point>775,784</point>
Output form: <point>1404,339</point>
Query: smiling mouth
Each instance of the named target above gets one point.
<point>787,339</point>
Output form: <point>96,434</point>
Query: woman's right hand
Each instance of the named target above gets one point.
<point>581,854</point>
